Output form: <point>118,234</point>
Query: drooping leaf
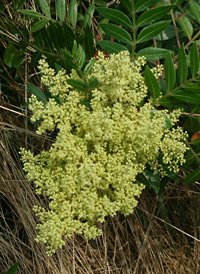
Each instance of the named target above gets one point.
<point>153,15</point>
<point>37,92</point>
<point>182,65</point>
<point>153,54</point>
<point>89,15</point>
<point>9,54</point>
<point>32,13</point>
<point>185,25</point>
<point>80,85</point>
<point>73,9</point>
<point>93,82</point>
<point>88,67</point>
<point>195,8</point>
<point>193,177</point>
<point>144,4</point>
<point>116,16</point>
<point>194,59</point>
<point>89,42</point>
<point>45,8</point>
<point>117,33</point>
<point>152,83</point>
<point>61,9</point>
<point>170,75</point>
<point>111,47</point>
<point>39,25</point>
<point>185,96</point>
<point>13,269</point>
<point>151,31</point>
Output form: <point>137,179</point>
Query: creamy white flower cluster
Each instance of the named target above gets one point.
<point>90,170</point>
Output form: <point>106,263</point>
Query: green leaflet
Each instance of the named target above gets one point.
<point>80,85</point>
<point>39,25</point>
<point>37,92</point>
<point>185,25</point>
<point>152,83</point>
<point>93,82</point>
<point>111,47</point>
<point>182,65</point>
<point>153,15</point>
<point>116,16</point>
<point>61,9</point>
<point>166,34</point>
<point>89,15</point>
<point>149,32</point>
<point>31,13</point>
<point>196,141</point>
<point>9,54</point>
<point>116,32</point>
<point>89,42</point>
<point>13,269</point>
<point>195,8</point>
<point>194,59</point>
<point>72,13</point>
<point>45,8</point>
<point>144,4</point>
<point>142,179</point>
<point>193,177</point>
<point>153,54</point>
<point>186,96</point>
<point>80,56</point>
<point>126,4</point>
<point>88,67</point>
<point>168,102</point>
<point>170,75</point>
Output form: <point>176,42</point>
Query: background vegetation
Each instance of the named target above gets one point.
<point>162,234</point>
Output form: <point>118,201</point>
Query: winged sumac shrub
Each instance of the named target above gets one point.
<point>90,170</point>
